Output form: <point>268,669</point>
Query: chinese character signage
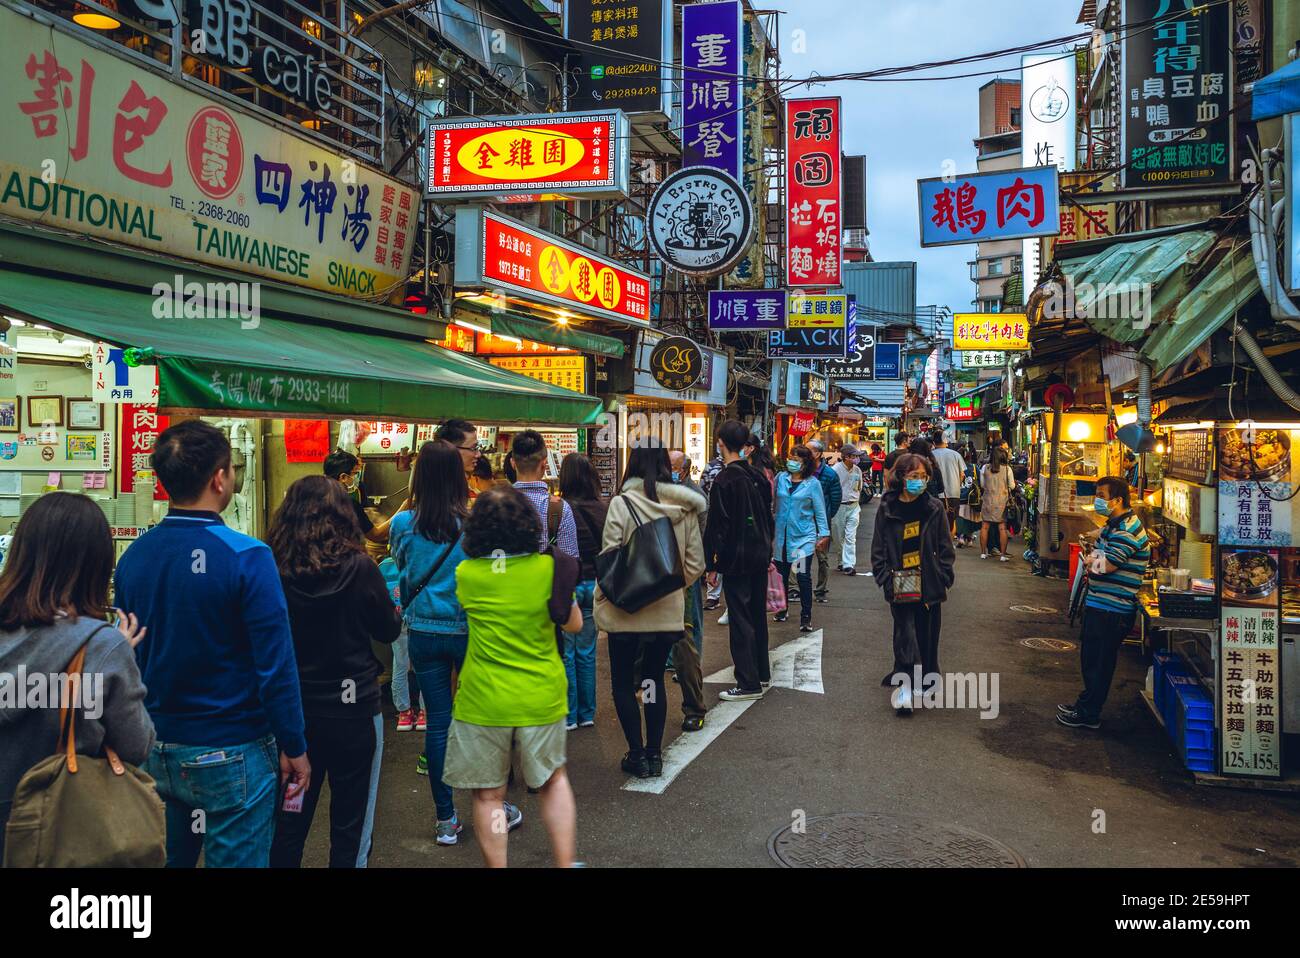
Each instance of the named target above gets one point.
<point>524,158</point>
<point>746,309</point>
<point>113,381</point>
<point>137,430</point>
<point>567,372</point>
<point>1086,220</point>
<point>489,344</point>
<point>860,363</point>
<point>625,54</point>
<point>813,218</point>
<point>965,409</point>
<point>818,311</point>
<point>154,165</point>
<point>749,272</point>
<point>1255,487</point>
<point>983,359</point>
<point>1250,693</point>
<point>1047,130</point>
<point>1008,204</point>
<point>1177,93</point>
<point>712,113</point>
<point>499,252</point>
<point>990,331</point>
<point>812,387</point>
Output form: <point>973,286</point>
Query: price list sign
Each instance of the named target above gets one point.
<point>1250,676</point>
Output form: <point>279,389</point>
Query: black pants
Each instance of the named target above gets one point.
<point>342,750</point>
<point>1103,633</point>
<point>652,648</point>
<point>916,637</point>
<point>747,621</point>
<point>803,574</point>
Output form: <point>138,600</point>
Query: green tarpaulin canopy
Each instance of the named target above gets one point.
<point>289,369</point>
<point>1110,293</point>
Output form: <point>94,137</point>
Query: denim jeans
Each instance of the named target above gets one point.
<point>372,798</point>
<point>580,658</point>
<point>401,688</point>
<point>435,656</point>
<point>694,619</point>
<point>220,800</point>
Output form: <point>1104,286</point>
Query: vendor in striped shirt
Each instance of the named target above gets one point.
<point>1111,604</point>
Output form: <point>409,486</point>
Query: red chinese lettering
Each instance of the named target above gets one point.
<point>129,133</point>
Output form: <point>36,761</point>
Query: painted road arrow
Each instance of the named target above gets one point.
<point>795,665</point>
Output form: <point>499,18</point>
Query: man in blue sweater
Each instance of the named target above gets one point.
<point>218,662</point>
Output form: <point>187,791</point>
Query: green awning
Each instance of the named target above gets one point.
<point>288,369</point>
<point>1142,292</point>
<point>510,323</point>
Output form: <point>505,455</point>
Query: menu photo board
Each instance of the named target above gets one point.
<point>1250,673</point>
<point>567,372</point>
<point>1256,490</point>
<point>1190,455</point>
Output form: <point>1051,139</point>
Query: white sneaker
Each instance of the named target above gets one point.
<point>984,555</point>
<point>1004,558</point>
<point>901,698</point>
<point>722,619</point>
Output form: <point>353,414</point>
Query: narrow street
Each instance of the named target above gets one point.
<point>1020,778</point>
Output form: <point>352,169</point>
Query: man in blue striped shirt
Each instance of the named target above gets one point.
<point>1111,604</point>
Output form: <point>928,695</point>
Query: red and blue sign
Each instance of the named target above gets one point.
<point>712,109</point>
<point>1008,204</point>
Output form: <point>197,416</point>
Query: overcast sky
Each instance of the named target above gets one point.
<point>907,130</point>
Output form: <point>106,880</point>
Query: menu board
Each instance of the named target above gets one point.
<point>1189,455</point>
<point>1250,697</point>
<point>605,458</point>
<point>1255,487</point>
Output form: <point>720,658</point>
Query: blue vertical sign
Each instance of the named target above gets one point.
<point>712,112</point>
<point>889,360</point>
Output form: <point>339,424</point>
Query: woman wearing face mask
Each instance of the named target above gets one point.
<point>801,527</point>
<point>997,482</point>
<point>912,560</point>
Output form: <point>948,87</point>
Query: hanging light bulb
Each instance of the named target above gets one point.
<point>97,19</point>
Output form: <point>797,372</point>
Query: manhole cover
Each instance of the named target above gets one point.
<point>1048,645</point>
<point>1034,609</point>
<point>862,840</point>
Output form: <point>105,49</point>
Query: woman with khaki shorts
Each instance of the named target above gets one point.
<point>513,691</point>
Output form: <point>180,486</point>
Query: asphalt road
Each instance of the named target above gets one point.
<point>1020,778</point>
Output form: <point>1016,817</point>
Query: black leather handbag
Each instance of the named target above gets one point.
<point>645,568</point>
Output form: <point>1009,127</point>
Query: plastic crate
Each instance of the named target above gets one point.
<point>1162,662</point>
<point>1193,726</point>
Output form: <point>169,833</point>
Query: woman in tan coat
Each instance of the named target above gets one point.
<point>651,632</point>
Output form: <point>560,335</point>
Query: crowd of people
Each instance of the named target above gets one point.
<point>240,674</point>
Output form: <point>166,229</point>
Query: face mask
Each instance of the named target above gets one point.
<point>677,477</point>
<point>915,486</point>
<point>794,466</point>
<point>1102,506</point>
<point>350,482</point>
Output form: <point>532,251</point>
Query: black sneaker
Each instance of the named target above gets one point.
<point>821,595</point>
<point>738,694</point>
<point>791,594</point>
<point>1075,720</point>
<point>805,625</point>
<point>1066,709</point>
<point>655,763</point>
<point>849,570</point>
<point>634,763</point>
<point>711,604</point>
<point>780,616</point>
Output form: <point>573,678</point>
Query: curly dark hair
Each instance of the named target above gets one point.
<point>315,530</point>
<point>502,522</point>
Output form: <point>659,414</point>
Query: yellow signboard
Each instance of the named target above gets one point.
<point>817,311</point>
<point>982,331</point>
<point>568,372</point>
<point>97,145</point>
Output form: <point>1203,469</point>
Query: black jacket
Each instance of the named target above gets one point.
<point>589,517</point>
<point>334,618</point>
<point>729,546</point>
<point>937,552</point>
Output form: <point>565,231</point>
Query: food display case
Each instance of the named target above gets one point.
<point>1084,457</point>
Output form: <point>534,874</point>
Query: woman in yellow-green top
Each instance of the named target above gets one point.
<point>513,689</point>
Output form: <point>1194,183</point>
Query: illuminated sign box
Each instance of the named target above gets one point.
<point>529,158</point>
<point>499,252</point>
<point>1006,332</point>
<point>965,409</point>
